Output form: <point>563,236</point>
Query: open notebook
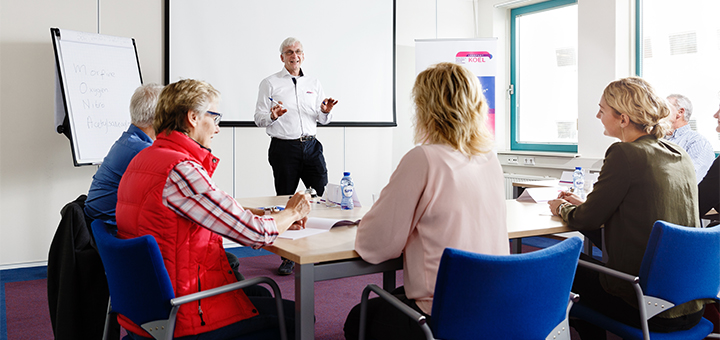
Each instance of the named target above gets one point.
<point>314,226</point>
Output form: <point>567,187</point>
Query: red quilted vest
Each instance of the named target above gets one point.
<point>194,256</point>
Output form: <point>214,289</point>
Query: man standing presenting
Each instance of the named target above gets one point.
<point>289,106</point>
<point>696,145</point>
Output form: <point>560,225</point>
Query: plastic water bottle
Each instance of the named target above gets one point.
<point>579,182</point>
<point>347,187</point>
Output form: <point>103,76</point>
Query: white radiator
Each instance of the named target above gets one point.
<point>515,178</point>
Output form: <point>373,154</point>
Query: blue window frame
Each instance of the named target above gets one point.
<point>554,124</point>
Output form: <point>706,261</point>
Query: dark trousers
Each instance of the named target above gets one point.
<point>385,321</point>
<point>593,295</point>
<point>293,160</point>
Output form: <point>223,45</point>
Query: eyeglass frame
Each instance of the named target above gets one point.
<point>217,117</point>
<point>290,52</point>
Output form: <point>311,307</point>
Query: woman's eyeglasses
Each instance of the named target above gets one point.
<point>216,116</point>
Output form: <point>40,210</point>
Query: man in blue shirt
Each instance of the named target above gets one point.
<point>696,145</point>
<point>102,196</point>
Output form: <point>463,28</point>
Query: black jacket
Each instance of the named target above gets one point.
<point>77,287</point>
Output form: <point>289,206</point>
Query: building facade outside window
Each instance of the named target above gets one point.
<point>679,52</point>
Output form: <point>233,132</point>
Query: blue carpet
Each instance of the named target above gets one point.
<point>544,242</point>
<point>15,275</point>
<point>241,252</point>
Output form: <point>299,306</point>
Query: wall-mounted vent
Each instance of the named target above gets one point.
<point>566,130</point>
<point>565,57</point>
<point>683,43</point>
<point>647,48</point>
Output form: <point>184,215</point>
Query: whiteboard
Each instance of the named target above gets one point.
<point>97,75</point>
<point>234,45</point>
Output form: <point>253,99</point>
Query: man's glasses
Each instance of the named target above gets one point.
<point>290,52</point>
<point>216,117</point>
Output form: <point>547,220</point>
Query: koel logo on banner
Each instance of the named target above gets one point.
<point>472,57</point>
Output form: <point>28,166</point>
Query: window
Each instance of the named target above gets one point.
<point>543,72</point>
<point>679,52</point>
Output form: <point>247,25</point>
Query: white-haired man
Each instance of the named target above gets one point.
<point>289,106</point>
<point>697,146</point>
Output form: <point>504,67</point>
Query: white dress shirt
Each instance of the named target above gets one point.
<point>307,95</point>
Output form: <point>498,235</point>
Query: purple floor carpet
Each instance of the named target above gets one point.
<point>28,317</point>
<point>25,315</point>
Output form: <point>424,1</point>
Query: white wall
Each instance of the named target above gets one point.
<point>37,177</point>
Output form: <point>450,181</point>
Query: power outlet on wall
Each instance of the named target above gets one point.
<point>529,161</point>
<point>512,160</point>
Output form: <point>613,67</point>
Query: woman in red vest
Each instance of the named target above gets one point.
<point>167,191</point>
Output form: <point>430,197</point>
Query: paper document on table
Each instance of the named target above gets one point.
<point>537,195</point>
<point>314,226</point>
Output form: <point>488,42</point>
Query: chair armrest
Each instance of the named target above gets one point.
<point>176,302</point>
<point>608,271</point>
<point>413,314</point>
<point>646,308</point>
<point>573,299</point>
<point>224,289</point>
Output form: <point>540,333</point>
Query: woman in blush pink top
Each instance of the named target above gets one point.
<point>446,192</point>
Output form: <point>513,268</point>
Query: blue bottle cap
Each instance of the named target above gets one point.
<point>578,168</point>
<point>346,173</point>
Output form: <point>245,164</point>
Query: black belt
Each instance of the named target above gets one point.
<point>301,139</point>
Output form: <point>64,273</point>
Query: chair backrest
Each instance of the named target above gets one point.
<point>681,263</point>
<point>520,296</point>
<point>140,288</point>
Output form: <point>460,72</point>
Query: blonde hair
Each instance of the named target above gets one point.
<point>451,109</point>
<point>636,98</point>
<point>177,99</point>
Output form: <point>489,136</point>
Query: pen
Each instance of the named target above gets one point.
<point>278,104</point>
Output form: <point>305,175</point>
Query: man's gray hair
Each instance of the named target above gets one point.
<point>142,104</point>
<point>289,42</point>
<point>683,102</point>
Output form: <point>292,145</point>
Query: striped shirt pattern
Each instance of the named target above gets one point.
<point>697,146</point>
<point>190,192</point>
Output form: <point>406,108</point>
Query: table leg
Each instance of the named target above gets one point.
<point>305,301</point>
<point>516,246</point>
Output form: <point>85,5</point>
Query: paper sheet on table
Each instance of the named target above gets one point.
<point>537,195</point>
<point>314,226</point>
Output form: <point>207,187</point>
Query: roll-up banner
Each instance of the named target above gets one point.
<point>478,55</point>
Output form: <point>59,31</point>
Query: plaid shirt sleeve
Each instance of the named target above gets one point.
<point>190,192</point>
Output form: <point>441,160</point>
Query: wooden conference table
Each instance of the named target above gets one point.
<point>332,255</point>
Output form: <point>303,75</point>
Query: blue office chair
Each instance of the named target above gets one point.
<point>680,264</point>
<point>519,296</point>
<point>140,288</point>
